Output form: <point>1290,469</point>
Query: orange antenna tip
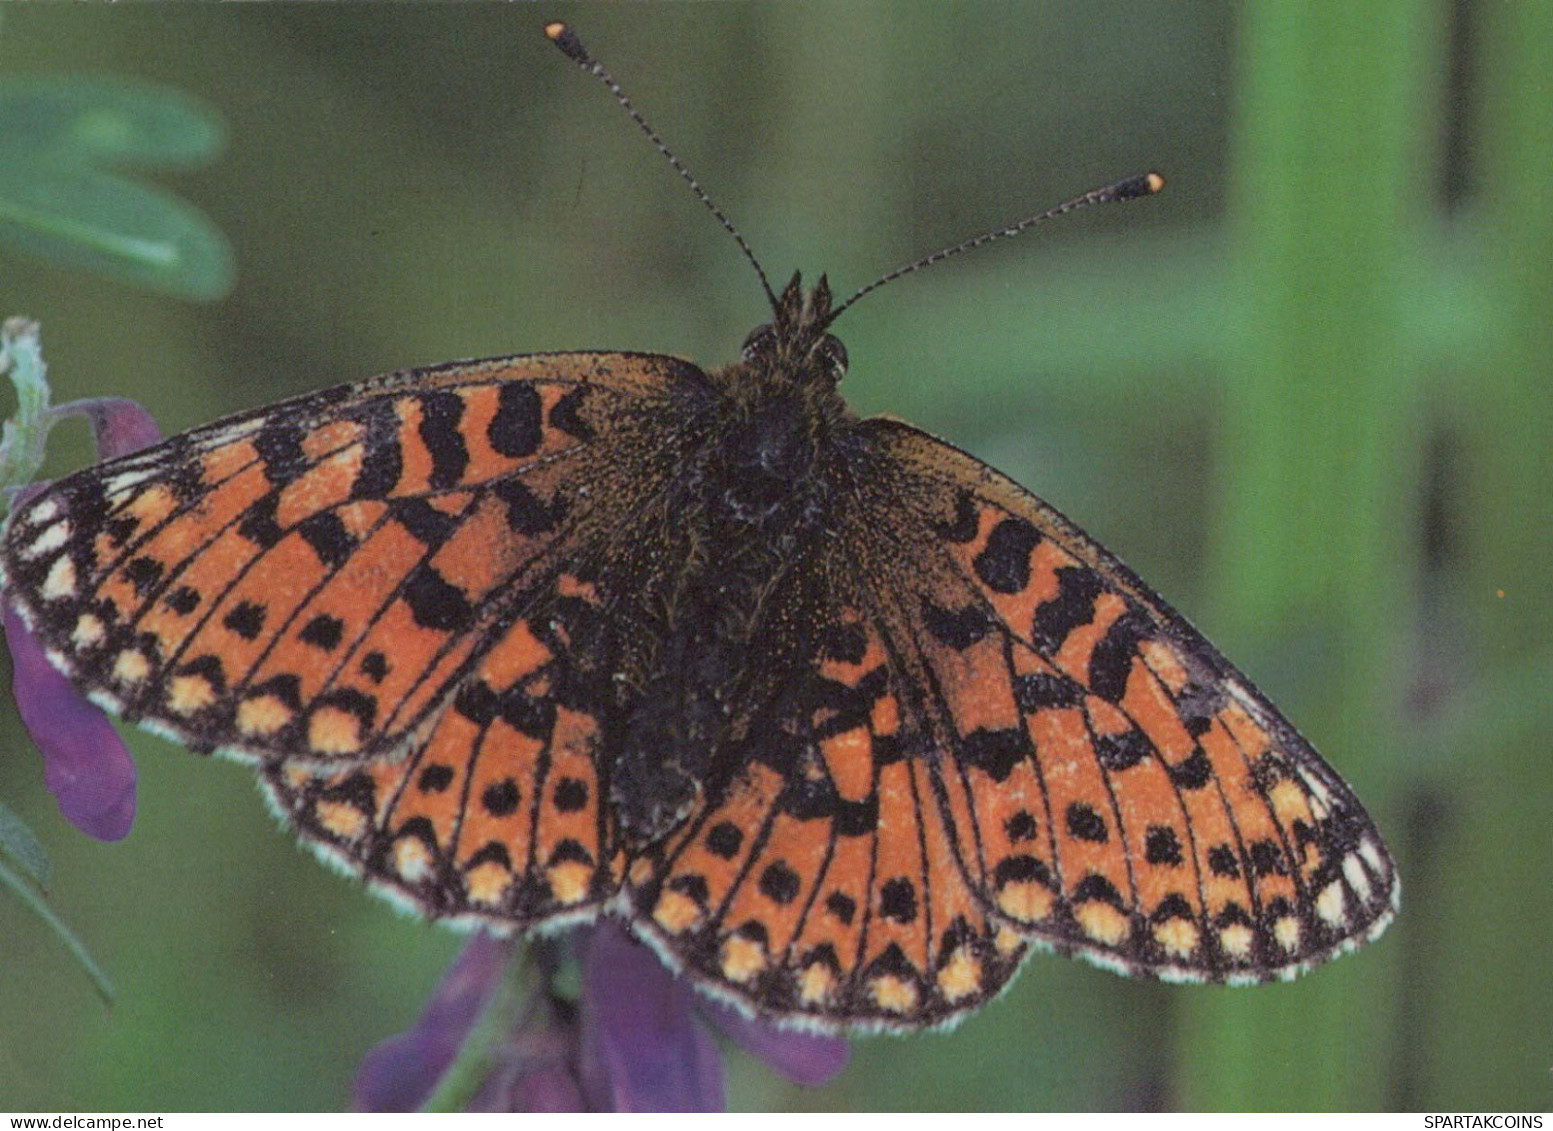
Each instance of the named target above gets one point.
<point>566,39</point>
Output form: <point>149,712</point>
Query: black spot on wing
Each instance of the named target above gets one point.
<point>441,412</point>
<point>428,525</point>
<point>1073,606</point>
<point>1004,562</point>
<point>327,536</point>
<point>434,602</point>
<point>565,414</point>
<point>957,628</point>
<point>516,429</point>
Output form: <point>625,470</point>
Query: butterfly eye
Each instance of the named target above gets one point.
<point>832,355</point>
<point>760,341</point>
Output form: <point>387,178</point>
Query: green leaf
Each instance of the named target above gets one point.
<point>34,903</point>
<point>19,842</point>
<point>109,121</point>
<point>59,202</point>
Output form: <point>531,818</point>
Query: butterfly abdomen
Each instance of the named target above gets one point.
<point>750,505</point>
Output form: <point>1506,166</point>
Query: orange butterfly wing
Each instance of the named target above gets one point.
<point>1111,785</point>
<point>821,887</point>
<point>375,591</point>
<point>311,580</point>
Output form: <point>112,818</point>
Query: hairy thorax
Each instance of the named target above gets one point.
<point>753,502</point>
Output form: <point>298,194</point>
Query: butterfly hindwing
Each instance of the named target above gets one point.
<point>1114,786</point>
<point>311,579</point>
<point>821,887</point>
<point>496,815</point>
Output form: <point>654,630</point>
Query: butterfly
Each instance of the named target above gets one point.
<point>837,718</point>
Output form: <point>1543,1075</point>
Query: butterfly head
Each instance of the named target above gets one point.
<point>796,343</point>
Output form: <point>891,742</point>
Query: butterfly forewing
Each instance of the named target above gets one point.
<point>311,580</point>
<point>1110,784</point>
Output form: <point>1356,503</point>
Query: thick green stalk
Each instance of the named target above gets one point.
<point>1487,1037</point>
<point>1313,565</point>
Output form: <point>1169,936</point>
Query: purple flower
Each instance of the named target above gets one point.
<point>637,1040</point>
<point>85,764</point>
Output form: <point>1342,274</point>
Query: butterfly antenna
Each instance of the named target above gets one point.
<point>563,37</point>
<point>1145,184</point>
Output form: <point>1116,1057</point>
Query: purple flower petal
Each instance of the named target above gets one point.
<point>120,426</point>
<point>642,1047</point>
<point>401,1072</point>
<point>804,1058</point>
<point>85,765</point>
<point>536,1071</point>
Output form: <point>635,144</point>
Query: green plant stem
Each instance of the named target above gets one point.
<point>1319,451</point>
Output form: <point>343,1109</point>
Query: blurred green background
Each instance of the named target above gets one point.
<point>1304,393</point>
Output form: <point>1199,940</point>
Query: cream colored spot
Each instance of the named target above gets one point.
<point>124,480</point>
<point>1178,937</point>
<point>1318,792</point>
<point>1288,802</point>
<point>341,820</point>
<point>232,432</point>
<point>44,511</point>
<point>1371,853</point>
<point>569,881</point>
<point>742,958</point>
<point>1007,941</point>
<point>412,859</point>
<point>1025,900</point>
<point>816,983</point>
<point>893,994</point>
<point>262,715</point>
<point>1329,904</point>
<point>676,912</point>
<point>1162,659</point>
<point>131,666</point>
<point>88,631</point>
<point>189,693</point>
<point>52,538</point>
<point>961,975</point>
<point>334,731</point>
<point>1358,878</point>
<point>487,883</point>
<point>1101,922</point>
<point>1287,932</point>
<point>60,580</point>
<point>1235,939</point>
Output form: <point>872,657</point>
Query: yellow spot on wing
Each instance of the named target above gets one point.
<point>1025,900</point>
<point>187,694</point>
<point>1101,922</point>
<point>569,881</point>
<point>1236,940</point>
<point>341,820</point>
<point>487,883</point>
<point>676,912</point>
<point>1179,937</point>
<point>131,666</point>
<point>262,715</point>
<point>742,958</point>
<point>816,983</point>
<point>412,859</point>
<point>334,731</point>
<point>893,994</point>
<point>960,977</point>
<point>60,580</point>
